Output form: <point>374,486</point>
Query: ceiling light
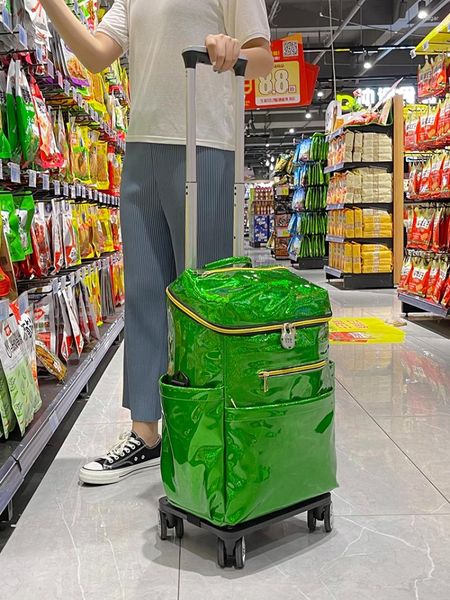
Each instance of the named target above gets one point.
<point>267,145</point>
<point>308,115</point>
<point>320,94</point>
<point>291,130</point>
<point>272,159</point>
<point>423,11</point>
<point>267,163</point>
<point>367,64</point>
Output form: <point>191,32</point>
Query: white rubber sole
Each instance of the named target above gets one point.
<point>109,477</point>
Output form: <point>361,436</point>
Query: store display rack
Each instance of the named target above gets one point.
<point>377,205</point>
<point>17,458</point>
<point>359,165</point>
<point>341,239</point>
<point>362,281</point>
<point>304,264</point>
<point>412,304</point>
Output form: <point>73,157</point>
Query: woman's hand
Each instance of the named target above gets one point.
<point>223,51</point>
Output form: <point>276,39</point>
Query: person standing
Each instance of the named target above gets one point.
<point>154,34</point>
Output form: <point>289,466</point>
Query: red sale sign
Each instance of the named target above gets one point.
<point>291,82</point>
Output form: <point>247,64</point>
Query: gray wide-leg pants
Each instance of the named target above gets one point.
<point>152,217</point>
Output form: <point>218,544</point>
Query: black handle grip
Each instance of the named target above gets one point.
<point>199,55</point>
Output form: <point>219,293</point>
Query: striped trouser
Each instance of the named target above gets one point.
<point>152,216</point>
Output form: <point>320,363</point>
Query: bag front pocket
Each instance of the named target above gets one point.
<point>192,459</point>
<point>278,455</point>
<point>266,376</point>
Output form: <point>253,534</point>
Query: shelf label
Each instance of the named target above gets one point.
<point>57,188</point>
<point>45,182</point>
<point>83,191</point>
<point>23,37</point>
<point>60,79</point>
<point>32,176</point>
<point>95,195</point>
<point>51,69</point>
<point>39,54</point>
<point>65,189</point>
<point>90,194</point>
<point>15,172</point>
<point>73,192</point>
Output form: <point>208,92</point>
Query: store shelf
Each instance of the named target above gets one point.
<point>359,165</point>
<point>369,128</point>
<point>377,205</point>
<point>422,304</point>
<point>17,457</point>
<point>360,281</point>
<point>437,41</point>
<point>341,240</point>
<point>304,264</point>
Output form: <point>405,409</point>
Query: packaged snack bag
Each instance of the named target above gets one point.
<point>65,331</point>
<point>23,313</point>
<point>50,362</point>
<point>105,222</point>
<point>13,132</point>
<point>82,314</point>
<point>77,338</point>
<point>5,146</point>
<point>56,234</point>
<point>42,300</point>
<point>420,275</point>
<point>49,157</point>
<point>92,320</point>
<point>11,227</point>
<point>25,209</point>
<point>70,241</point>
<point>17,368</point>
<point>8,419</point>
<point>63,146</point>
<point>102,178</point>
<point>436,294</point>
<point>434,275</point>
<point>42,256</point>
<point>422,228</point>
<point>446,294</point>
<point>27,122</point>
<point>73,67</point>
<point>406,273</point>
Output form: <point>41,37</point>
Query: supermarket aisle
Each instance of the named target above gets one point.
<point>392,532</point>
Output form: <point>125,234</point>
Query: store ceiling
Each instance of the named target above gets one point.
<point>374,25</point>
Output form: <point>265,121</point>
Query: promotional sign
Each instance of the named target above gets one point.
<point>291,82</point>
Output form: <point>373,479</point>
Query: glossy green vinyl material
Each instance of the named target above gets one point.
<point>253,432</point>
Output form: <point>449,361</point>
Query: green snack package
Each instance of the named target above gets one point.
<point>25,208</point>
<point>27,122</point>
<point>5,147</point>
<point>11,226</point>
<point>17,367</point>
<point>11,117</point>
<point>7,417</point>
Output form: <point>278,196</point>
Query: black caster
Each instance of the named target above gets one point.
<point>328,518</point>
<point>162,526</point>
<point>312,521</point>
<point>221,554</point>
<point>239,554</point>
<point>179,528</point>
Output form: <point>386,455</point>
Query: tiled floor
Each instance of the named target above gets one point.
<point>392,531</point>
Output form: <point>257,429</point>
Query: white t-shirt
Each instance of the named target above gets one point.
<point>155,32</point>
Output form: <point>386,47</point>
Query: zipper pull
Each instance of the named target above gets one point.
<point>288,336</point>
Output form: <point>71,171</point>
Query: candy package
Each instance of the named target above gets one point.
<point>11,227</point>
<point>27,122</point>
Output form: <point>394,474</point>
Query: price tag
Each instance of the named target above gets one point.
<point>32,176</point>
<point>45,182</point>
<point>83,191</point>
<point>14,172</point>
<point>65,189</point>
<point>90,195</point>
<point>100,197</point>
<point>6,18</point>
<point>72,279</point>
<point>51,69</point>
<point>78,276</point>
<point>67,87</point>
<point>280,87</point>
<point>23,37</point>
<point>77,189</point>
<point>95,195</point>
<point>73,192</point>
<point>60,79</point>
<point>57,188</point>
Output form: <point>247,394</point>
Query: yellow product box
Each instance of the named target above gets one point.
<point>356,258</point>
<point>348,258</point>
<point>358,217</point>
<point>349,223</point>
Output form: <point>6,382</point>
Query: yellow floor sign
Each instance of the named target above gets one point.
<point>365,330</point>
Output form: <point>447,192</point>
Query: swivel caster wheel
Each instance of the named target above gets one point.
<point>312,521</point>
<point>239,554</point>
<point>179,528</point>
<point>221,554</point>
<point>328,518</point>
<point>162,526</point>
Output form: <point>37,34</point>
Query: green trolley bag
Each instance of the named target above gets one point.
<point>248,400</point>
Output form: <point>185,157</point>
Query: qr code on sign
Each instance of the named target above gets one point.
<point>290,48</point>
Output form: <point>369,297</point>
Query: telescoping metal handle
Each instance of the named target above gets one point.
<point>192,57</point>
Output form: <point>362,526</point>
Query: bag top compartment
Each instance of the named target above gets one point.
<point>249,300</point>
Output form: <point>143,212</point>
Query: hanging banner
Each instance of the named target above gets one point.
<point>291,82</point>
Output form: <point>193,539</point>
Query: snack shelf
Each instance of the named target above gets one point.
<point>411,303</point>
<point>341,240</point>
<point>18,456</point>
<point>360,281</point>
<point>380,205</point>
<point>437,41</point>
<point>347,166</point>
<point>367,128</point>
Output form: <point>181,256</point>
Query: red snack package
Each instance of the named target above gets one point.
<point>436,172</point>
<point>406,273</point>
<point>418,283</point>
<point>434,275</point>
<point>49,157</point>
<point>437,292</point>
<point>446,295</point>
<point>424,189</point>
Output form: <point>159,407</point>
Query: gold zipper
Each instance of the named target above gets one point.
<point>243,330</point>
<point>289,371</point>
<point>243,269</point>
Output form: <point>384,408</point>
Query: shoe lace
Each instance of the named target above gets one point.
<point>124,446</point>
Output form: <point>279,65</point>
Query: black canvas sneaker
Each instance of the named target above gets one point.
<point>130,455</point>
